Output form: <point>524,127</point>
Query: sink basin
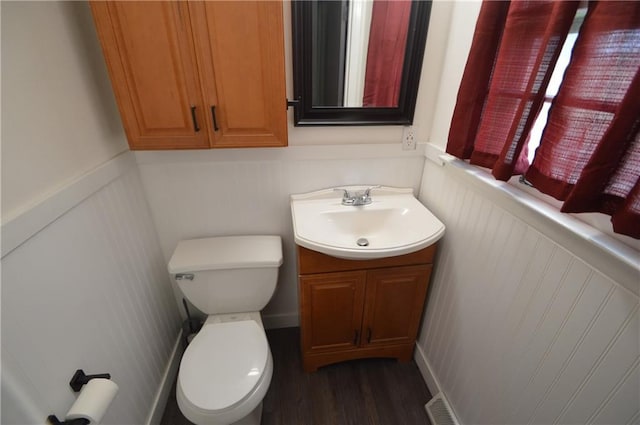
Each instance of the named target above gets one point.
<point>395,223</point>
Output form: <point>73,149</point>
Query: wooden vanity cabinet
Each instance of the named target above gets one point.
<point>195,75</point>
<point>352,309</point>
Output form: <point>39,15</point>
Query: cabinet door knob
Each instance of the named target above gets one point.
<point>196,128</point>
<point>356,333</point>
<point>213,117</point>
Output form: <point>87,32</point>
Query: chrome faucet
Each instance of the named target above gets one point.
<point>357,198</point>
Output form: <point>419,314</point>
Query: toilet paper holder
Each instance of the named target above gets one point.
<point>53,420</point>
<point>78,380</point>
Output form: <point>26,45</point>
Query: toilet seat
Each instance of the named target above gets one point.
<point>223,363</point>
<point>225,372</point>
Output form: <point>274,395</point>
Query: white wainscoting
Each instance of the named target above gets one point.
<point>87,290</point>
<point>225,192</point>
<point>518,330</point>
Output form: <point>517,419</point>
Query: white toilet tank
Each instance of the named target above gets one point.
<point>228,274</point>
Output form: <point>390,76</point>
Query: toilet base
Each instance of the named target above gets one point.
<point>253,418</point>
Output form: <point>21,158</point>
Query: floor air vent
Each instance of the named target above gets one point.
<point>439,411</point>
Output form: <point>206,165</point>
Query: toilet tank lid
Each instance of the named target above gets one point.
<point>226,252</point>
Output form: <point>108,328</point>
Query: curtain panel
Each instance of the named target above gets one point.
<point>589,154</point>
<point>474,86</point>
<point>507,73</point>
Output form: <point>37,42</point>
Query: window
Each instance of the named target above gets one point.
<point>540,89</point>
<point>554,83</point>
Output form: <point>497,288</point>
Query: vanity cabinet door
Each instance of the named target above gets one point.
<point>240,47</point>
<point>331,310</point>
<point>393,305</point>
<point>151,59</point>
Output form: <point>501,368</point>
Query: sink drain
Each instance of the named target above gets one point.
<point>362,242</point>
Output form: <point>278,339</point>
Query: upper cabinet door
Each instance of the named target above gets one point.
<point>150,54</point>
<point>240,47</point>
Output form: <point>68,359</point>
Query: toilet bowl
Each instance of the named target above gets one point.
<point>226,370</point>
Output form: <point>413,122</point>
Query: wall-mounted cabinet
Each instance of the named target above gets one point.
<point>196,75</point>
<point>352,309</point>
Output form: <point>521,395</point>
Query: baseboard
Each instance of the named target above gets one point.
<point>425,370</point>
<point>430,378</point>
<point>170,373</point>
<point>276,321</point>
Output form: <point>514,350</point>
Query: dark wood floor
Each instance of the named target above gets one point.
<point>360,392</point>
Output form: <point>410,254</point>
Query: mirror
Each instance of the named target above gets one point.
<point>357,62</point>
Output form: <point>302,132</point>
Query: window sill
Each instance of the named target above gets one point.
<point>606,254</point>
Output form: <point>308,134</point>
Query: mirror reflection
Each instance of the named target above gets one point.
<point>358,52</point>
<point>357,62</point>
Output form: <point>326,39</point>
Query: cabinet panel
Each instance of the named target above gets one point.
<point>331,305</point>
<point>394,303</point>
<point>241,44</point>
<point>151,59</point>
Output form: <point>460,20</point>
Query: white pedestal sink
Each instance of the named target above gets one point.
<point>394,223</point>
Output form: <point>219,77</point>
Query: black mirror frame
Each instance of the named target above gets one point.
<point>307,115</point>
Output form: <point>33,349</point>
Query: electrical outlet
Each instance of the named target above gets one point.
<point>408,139</point>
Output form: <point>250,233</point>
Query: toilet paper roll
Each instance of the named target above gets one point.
<point>94,400</point>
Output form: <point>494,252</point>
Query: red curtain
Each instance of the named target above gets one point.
<point>510,66</point>
<point>385,55</point>
<point>589,154</point>
<point>474,86</point>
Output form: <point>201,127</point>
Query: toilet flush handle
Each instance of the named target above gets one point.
<point>184,276</point>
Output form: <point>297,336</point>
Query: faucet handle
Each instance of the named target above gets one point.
<point>345,194</point>
<point>367,190</point>
<point>347,197</point>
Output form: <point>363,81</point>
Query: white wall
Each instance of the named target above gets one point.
<point>460,27</point>
<point>518,328</point>
<point>524,324</point>
<point>206,193</point>
<point>88,291</point>
<point>84,282</point>
<point>58,118</point>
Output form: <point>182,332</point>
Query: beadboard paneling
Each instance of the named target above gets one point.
<point>207,193</point>
<point>90,290</point>
<point>519,330</point>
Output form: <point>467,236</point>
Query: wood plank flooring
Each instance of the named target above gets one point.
<point>360,392</point>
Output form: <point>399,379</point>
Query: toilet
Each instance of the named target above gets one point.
<point>226,369</point>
